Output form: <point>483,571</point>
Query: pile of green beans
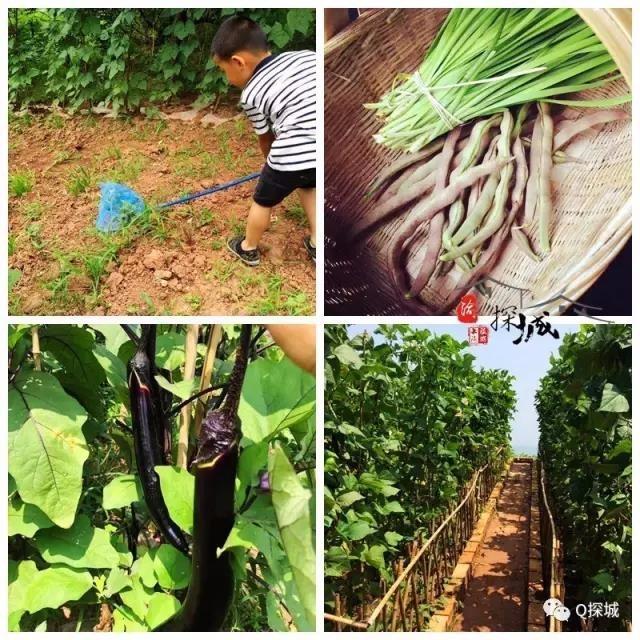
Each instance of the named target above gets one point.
<point>470,191</point>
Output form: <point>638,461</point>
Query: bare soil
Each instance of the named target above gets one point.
<point>176,261</point>
<point>496,597</point>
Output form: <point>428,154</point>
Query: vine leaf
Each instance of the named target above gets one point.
<point>47,448</point>
<point>612,400</point>
<point>33,590</point>
<point>26,519</point>
<point>121,492</point>
<point>275,396</point>
<point>81,546</point>
<point>178,489</point>
<point>171,567</point>
<point>291,503</point>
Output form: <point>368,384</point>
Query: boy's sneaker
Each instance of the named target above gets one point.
<point>311,250</point>
<point>251,257</point>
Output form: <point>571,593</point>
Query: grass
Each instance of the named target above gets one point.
<point>33,232</point>
<point>12,244</point>
<point>54,121</point>
<point>21,183</point>
<point>194,301</point>
<point>32,210</point>
<point>95,267</point>
<point>128,171</point>
<point>80,180</point>
<point>296,213</point>
<point>278,300</point>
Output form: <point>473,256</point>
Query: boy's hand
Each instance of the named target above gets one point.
<point>266,140</point>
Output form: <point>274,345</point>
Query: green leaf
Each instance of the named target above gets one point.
<point>136,599</point>
<point>291,503</point>
<point>81,373</point>
<point>115,371</point>
<point>117,581</point>
<point>356,530</point>
<point>143,567</point>
<point>20,578</point>
<point>178,489</point>
<point>81,546</point>
<point>347,499</point>
<point>162,607</point>
<point>14,276</point>
<point>171,567</point>
<point>348,356</point>
<point>51,588</point>
<point>279,36</point>
<point>275,396</point>
<point>299,20</point>
<point>183,389</point>
<point>612,400</point>
<point>47,448</point>
<point>114,336</point>
<point>26,519</point>
<point>392,538</point>
<point>170,351</point>
<point>121,492</point>
<point>374,556</point>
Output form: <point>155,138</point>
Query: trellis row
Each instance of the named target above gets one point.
<point>422,574</point>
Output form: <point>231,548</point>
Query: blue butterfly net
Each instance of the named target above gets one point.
<point>118,206</point>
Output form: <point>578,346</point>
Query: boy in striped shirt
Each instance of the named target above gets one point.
<point>279,98</point>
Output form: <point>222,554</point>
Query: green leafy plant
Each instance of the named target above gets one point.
<point>21,183</point>
<point>408,419</point>
<point>80,180</point>
<point>124,58</point>
<point>584,412</point>
<point>80,533</point>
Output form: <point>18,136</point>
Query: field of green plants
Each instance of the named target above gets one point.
<point>408,419</point>
<point>92,95</point>
<point>584,412</point>
<point>84,553</point>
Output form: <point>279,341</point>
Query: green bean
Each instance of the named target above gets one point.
<point>497,214</point>
<point>544,204</point>
<point>531,197</point>
<point>568,129</point>
<point>430,255</point>
<point>431,206</point>
<point>520,238</point>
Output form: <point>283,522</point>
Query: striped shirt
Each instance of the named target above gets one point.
<point>281,97</point>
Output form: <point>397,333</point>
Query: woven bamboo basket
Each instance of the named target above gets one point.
<point>591,198</point>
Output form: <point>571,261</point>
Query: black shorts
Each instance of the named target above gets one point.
<point>274,186</point>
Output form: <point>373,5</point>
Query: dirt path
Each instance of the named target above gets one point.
<point>174,263</point>
<point>496,597</point>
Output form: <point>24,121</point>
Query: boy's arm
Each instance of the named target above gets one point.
<point>265,140</point>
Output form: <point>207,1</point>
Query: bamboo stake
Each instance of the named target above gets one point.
<point>215,336</point>
<point>190,354</point>
<point>35,349</point>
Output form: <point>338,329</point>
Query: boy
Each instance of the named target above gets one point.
<point>279,98</point>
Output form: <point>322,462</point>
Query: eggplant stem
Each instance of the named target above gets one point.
<point>184,403</point>
<point>131,334</point>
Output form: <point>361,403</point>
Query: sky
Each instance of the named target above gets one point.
<point>528,362</point>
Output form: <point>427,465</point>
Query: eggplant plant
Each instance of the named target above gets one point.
<point>107,531</point>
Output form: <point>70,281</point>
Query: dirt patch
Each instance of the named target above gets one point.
<point>67,267</point>
<point>497,595</point>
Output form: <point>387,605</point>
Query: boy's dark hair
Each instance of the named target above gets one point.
<point>238,34</point>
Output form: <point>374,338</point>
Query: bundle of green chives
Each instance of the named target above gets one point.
<point>484,60</point>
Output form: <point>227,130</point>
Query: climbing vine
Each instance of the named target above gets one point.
<point>124,58</point>
<point>408,418</point>
<point>584,411</point>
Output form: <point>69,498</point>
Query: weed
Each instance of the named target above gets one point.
<point>205,217</point>
<point>296,213</point>
<point>32,210</point>
<point>222,271</point>
<point>95,265</point>
<point>217,244</point>
<point>150,305</point>
<point>54,121</point>
<point>194,301</point>
<point>33,232</point>
<point>159,127</point>
<point>79,181</point>
<point>18,122</point>
<point>128,170</point>
<point>279,302</point>
<point>12,244</point>
<point>237,226</point>
<point>21,183</point>
<point>59,286</point>
<point>111,153</point>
